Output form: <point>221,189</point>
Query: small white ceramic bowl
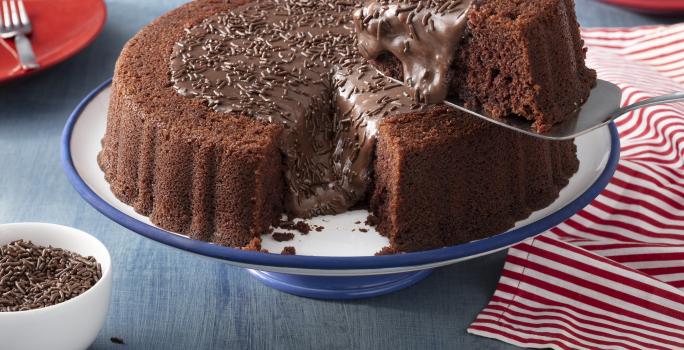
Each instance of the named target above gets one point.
<point>70,325</point>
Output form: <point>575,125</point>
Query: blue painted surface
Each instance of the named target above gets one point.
<point>167,299</point>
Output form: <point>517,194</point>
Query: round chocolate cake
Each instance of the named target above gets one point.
<point>225,115</point>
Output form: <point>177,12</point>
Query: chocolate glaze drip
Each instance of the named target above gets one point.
<point>294,62</point>
<point>424,35</point>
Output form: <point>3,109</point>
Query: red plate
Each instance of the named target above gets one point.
<point>61,28</point>
<point>672,7</point>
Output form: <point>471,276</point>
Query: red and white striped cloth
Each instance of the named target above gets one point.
<point>612,276</point>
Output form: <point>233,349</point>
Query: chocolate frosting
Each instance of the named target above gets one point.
<point>295,63</point>
<point>424,35</point>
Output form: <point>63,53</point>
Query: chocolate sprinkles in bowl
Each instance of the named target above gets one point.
<point>55,287</point>
<point>34,277</point>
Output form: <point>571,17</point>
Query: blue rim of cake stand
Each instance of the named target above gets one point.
<point>264,260</point>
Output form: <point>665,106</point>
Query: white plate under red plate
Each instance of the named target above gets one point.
<point>337,262</point>
<point>665,7</point>
<point>61,28</point>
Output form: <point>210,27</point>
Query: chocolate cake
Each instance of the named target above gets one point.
<point>224,115</point>
<point>514,58</point>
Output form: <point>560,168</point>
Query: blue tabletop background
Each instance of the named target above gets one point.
<point>166,299</point>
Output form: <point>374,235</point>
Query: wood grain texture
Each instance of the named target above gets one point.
<point>165,299</point>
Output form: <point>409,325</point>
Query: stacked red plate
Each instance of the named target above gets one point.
<point>663,7</point>
<point>60,30</point>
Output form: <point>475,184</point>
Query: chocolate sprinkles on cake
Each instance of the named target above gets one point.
<point>296,63</point>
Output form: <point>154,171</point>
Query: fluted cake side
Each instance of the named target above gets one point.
<point>191,170</point>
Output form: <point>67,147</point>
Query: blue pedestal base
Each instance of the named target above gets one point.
<point>335,288</point>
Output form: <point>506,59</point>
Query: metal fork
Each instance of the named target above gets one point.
<point>16,24</point>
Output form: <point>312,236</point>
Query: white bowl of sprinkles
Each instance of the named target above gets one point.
<point>41,314</point>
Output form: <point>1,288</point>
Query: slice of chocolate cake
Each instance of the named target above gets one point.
<point>439,182</point>
<point>526,57</point>
<point>517,58</point>
<point>223,116</point>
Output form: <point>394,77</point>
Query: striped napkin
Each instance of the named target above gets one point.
<point>612,276</point>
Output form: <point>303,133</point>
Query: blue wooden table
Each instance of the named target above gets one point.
<point>165,299</point>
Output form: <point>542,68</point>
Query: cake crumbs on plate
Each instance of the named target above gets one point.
<point>300,226</point>
<point>283,236</point>
<point>372,220</point>
<point>289,250</point>
<point>253,245</point>
<point>386,251</point>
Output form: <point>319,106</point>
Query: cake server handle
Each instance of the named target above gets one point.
<point>658,100</point>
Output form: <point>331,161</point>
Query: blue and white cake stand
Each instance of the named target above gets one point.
<point>338,262</point>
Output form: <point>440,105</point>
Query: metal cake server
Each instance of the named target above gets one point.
<point>602,107</point>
